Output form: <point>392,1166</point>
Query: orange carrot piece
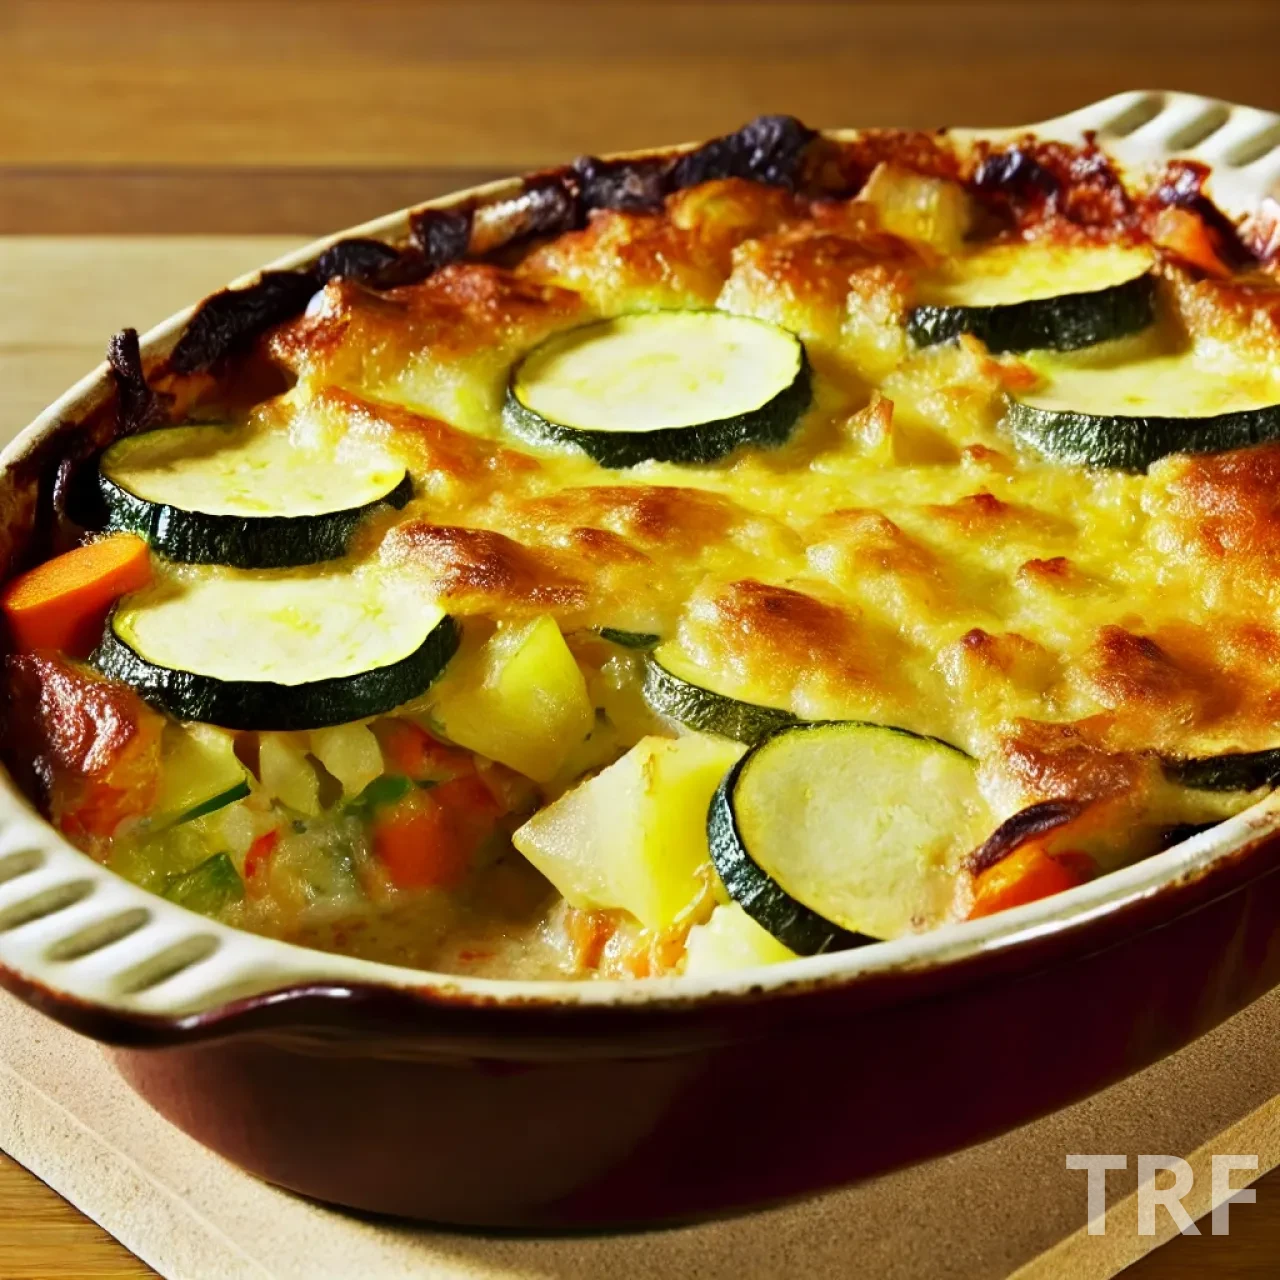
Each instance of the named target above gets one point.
<point>431,837</point>
<point>63,603</point>
<point>1185,235</point>
<point>1027,874</point>
<point>420,845</point>
<point>412,752</point>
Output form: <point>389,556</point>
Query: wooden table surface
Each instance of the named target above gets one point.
<point>270,116</point>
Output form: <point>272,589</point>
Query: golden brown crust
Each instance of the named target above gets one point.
<point>812,272</point>
<point>776,637</point>
<point>443,456</point>
<point>983,515</point>
<point>91,746</point>
<point>358,334</point>
<point>1068,761</point>
<point>481,571</point>
<point>678,258</point>
<point>671,518</point>
<point>1218,513</point>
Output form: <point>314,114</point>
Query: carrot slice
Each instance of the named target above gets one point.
<point>63,603</point>
<point>1027,874</point>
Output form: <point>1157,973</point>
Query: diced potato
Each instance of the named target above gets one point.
<point>351,753</point>
<point>635,835</point>
<point>236,827</point>
<point>932,211</point>
<point>287,774</point>
<point>523,701</point>
<point>198,765</point>
<point>731,940</point>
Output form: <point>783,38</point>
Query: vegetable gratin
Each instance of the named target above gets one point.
<point>777,546</point>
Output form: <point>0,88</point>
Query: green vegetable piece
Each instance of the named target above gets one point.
<point>214,803</point>
<point>381,792</point>
<point>209,888</point>
<point>629,639</point>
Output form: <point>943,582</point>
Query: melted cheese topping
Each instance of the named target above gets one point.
<point>903,558</point>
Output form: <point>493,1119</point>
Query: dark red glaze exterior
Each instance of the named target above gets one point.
<point>550,1116</point>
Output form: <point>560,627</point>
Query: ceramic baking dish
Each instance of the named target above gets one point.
<point>525,1104</point>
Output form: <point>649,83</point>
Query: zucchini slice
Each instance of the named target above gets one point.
<point>274,650</point>
<point>838,833</point>
<point>1231,771</point>
<point>674,687</point>
<point>1126,416</point>
<point>1020,297</point>
<point>248,498</point>
<point>629,639</point>
<point>670,386</point>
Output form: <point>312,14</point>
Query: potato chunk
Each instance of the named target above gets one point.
<point>635,835</point>
<point>731,940</point>
<point>523,702</point>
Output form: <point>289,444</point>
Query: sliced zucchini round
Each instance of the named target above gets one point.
<point>676,688</point>
<point>838,833</point>
<point>1020,297</point>
<point>671,386</point>
<point>1126,416</point>
<point>243,497</point>
<point>1231,771</point>
<point>277,651</point>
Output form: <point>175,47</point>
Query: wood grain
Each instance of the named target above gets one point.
<point>515,85</point>
<point>229,201</point>
<point>266,115</point>
<point>41,1236</point>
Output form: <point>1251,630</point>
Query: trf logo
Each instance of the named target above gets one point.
<point>1169,1198</point>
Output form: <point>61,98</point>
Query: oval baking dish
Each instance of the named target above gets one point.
<point>550,1104</point>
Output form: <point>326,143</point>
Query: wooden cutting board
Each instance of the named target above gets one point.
<point>1007,1206</point>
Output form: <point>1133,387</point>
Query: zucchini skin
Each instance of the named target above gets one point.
<point>241,542</point>
<point>1124,443</point>
<point>1065,323</point>
<point>761,897</point>
<point>1232,771</point>
<point>698,708</point>
<point>264,704</point>
<point>629,639</point>
<point>213,803</point>
<point>751,887</point>
<point>768,426</point>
